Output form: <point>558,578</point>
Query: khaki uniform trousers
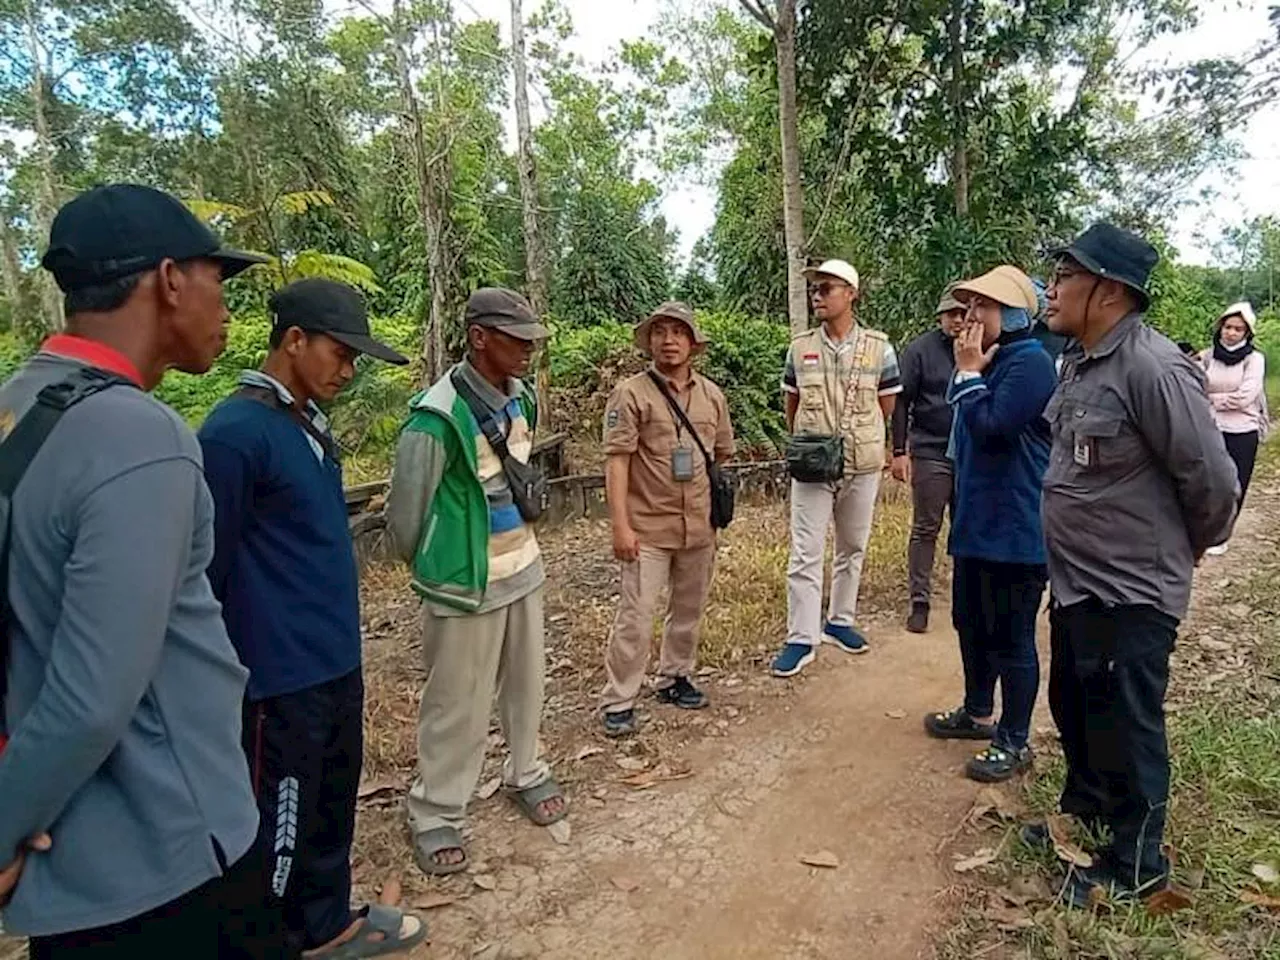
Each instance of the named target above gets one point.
<point>467,659</point>
<point>688,571</point>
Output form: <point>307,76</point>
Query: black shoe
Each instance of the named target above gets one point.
<point>620,724</point>
<point>918,622</point>
<point>1036,835</point>
<point>684,695</point>
<point>1098,885</point>
<point>998,763</point>
<point>957,725</point>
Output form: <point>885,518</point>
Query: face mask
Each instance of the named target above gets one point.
<point>1234,347</point>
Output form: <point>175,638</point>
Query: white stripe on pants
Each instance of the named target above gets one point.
<point>851,503</point>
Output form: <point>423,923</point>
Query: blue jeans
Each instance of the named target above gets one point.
<point>993,608</point>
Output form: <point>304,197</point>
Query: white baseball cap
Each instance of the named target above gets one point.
<point>835,268</point>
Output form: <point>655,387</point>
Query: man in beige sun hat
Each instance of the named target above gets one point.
<point>660,504</point>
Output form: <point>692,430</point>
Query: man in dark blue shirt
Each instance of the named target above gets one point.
<point>285,571</point>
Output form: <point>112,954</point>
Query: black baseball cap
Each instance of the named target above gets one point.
<point>121,229</point>
<point>501,309</point>
<point>324,306</point>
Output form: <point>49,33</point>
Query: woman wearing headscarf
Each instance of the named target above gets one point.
<point>1236,371</point>
<point>1000,448</point>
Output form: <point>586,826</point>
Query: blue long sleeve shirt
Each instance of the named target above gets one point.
<point>284,565</point>
<point>1000,445</point>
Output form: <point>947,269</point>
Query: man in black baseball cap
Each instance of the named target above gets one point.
<point>284,569</point>
<point>1139,485</point>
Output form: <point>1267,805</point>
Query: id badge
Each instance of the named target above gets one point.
<point>1084,451</point>
<point>682,464</point>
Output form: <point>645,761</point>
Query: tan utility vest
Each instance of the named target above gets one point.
<point>840,393</point>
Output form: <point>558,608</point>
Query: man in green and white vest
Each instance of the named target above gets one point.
<point>476,565</point>
<point>840,380</point>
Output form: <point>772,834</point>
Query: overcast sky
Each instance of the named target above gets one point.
<point>1227,27</point>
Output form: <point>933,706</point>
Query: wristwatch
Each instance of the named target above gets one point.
<point>964,376</point>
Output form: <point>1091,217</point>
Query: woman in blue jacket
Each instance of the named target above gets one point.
<point>1000,447</point>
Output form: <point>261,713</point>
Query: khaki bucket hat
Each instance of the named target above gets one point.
<point>948,303</point>
<point>1006,285</point>
<point>671,310</point>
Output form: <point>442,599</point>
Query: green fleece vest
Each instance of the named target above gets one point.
<point>451,565</point>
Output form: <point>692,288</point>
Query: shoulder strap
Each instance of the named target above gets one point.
<point>684,417</point>
<point>270,398</point>
<point>17,451</point>
<point>484,416</point>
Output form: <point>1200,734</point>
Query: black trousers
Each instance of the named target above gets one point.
<point>1243,450</point>
<point>993,609</point>
<point>228,918</point>
<point>1107,682</point>
<point>305,750</point>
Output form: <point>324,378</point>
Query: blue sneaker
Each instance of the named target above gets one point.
<point>791,659</point>
<point>846,638</point>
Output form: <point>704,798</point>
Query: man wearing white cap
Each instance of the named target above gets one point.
<point>840,383</point>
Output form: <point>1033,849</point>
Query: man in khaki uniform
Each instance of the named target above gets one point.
<point>660,503</point>
<point>840,380</point>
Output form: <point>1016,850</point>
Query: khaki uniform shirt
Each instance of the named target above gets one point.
<point>1139,482</point>
<point>665,512</point>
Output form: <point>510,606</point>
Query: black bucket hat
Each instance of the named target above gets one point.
<point>1113,253</point>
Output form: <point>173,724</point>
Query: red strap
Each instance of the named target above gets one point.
<point>93,353</point>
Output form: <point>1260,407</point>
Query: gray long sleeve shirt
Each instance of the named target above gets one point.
<point>124,692</point>
<point>1139,482</point>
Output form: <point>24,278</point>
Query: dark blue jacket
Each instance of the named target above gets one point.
<point>1000,445</point>
<point>284,566</point>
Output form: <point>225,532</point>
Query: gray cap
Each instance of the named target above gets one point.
<point>671,310</point>
<point>501,309</point>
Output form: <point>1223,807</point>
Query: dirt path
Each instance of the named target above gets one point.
<point>709,866</point>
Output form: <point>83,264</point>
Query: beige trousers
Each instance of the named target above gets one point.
<point>689,574</point>
<point>848,506</point>
<point>467,659</point>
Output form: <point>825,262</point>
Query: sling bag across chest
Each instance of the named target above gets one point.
<point>723,493</point>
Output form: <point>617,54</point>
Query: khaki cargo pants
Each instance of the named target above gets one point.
<point>688,572</point>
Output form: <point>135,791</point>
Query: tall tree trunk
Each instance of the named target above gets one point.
<point>959,138</point>
<point>784,33</point>
<point>535,272</point>
<point>46,204</point>
<point>11,275</point>
<point>430,209</point>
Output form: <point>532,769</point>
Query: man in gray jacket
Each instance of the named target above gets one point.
<point>1139,485</point>
<point>122,693</point>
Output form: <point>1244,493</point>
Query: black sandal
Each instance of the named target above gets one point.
<point>998,763</point>
<point>957,725</point>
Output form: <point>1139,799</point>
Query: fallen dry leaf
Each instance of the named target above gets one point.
<point>389,895</point>
<point>823,858</point>
<point>433,901</point>
<point>1024,890</point>
<point>659,774</point>
<point>588,751</point>
<point>1008,918</point>
<point>625,884</point>
<point>1264,900</point>
<point>631,763</point>
<point>991,800</point>
<point>1059,832</point>
<point>371,788</point>
<point>1099,898</point>
<point>980,859</point>
<point>489,788</point>
<point>560,831</point>
<point>485,881</point>
<point>896,714</point>
<point>1167,901</point>
<point>1265,872</point>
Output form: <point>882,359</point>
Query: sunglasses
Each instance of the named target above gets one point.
<point>825,289</point>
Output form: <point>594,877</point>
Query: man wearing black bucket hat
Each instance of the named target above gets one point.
<point>1139,485</point>
<point>123,692</point>
<point>284,568</point>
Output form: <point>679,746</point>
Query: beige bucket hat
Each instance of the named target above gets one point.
<point>671,310</point>
<point>1006,285</point>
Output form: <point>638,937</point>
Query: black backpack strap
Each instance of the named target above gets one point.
<point>271,398</point>
<point>684,417</point>
<point>17,451</point>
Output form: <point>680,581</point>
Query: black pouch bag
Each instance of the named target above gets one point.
<point>528,483</point>
<point>723,492</point>
<point>815,458</point>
